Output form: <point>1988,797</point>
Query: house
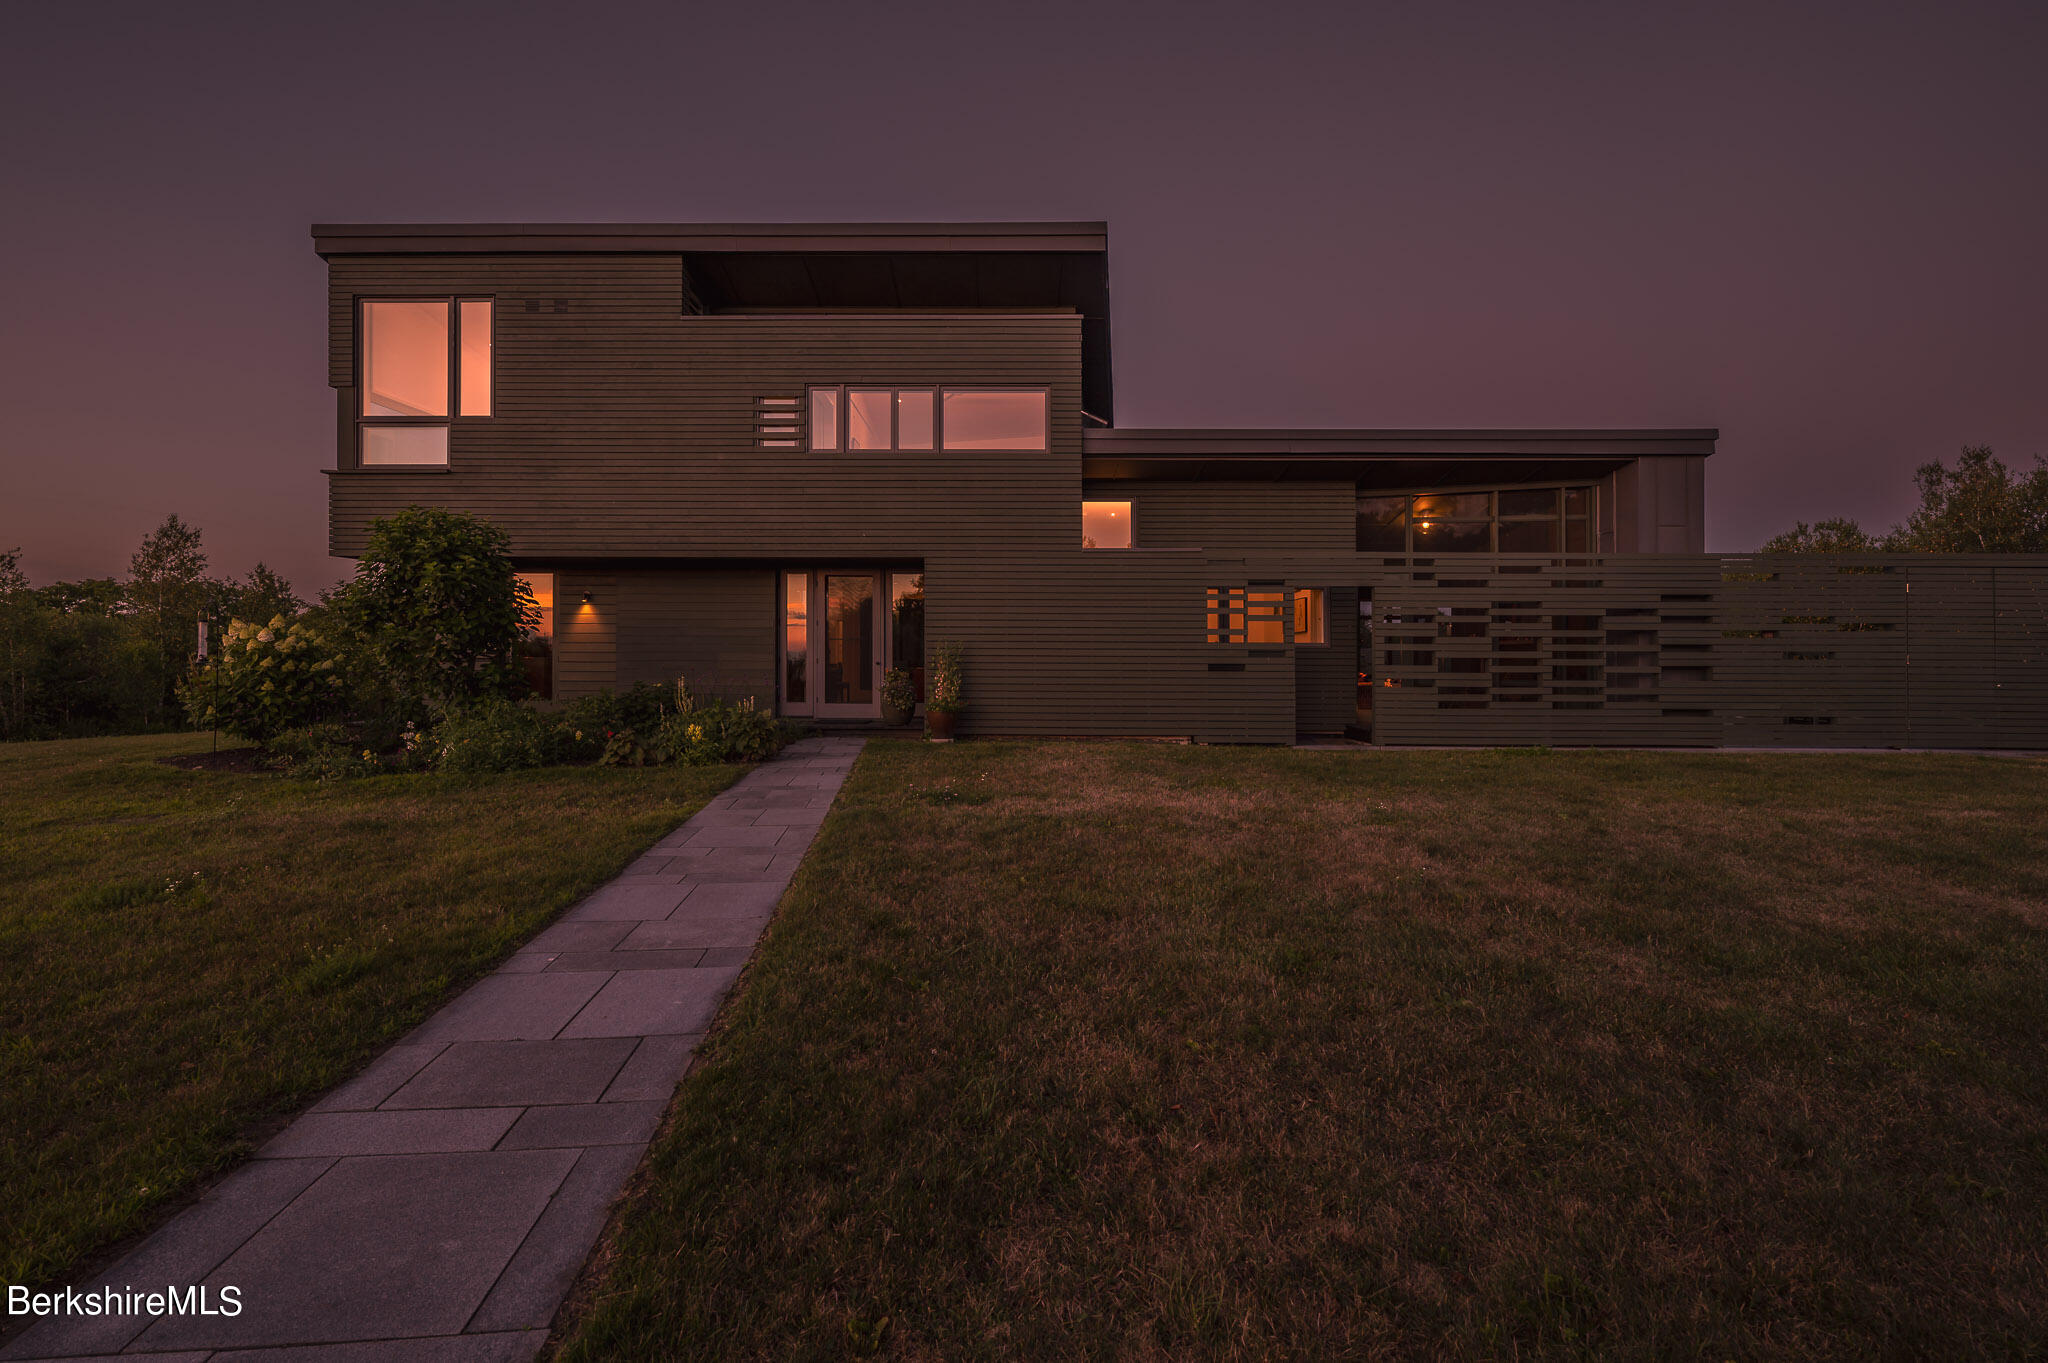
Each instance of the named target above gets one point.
<point>782,459</point>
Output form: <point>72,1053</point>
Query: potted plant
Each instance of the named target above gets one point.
<point>943,704</point>
<point>899,696</point>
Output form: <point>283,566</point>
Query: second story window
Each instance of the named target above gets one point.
<point>856,419</point>
<point>425,361</point>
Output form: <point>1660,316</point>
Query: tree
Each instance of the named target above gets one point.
<point>264,597</point>
<point>88,596</point>
<point>20,640</point>
<point>166,594</point>
<point>1978,507</point>
<point>1837,536</point>
<point>438,608</point>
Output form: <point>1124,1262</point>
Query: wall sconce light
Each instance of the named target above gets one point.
<point>586,598</point>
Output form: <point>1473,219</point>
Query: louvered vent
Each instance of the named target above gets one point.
<point>778,423</point>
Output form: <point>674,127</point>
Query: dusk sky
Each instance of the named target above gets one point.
<point>1818,227</point>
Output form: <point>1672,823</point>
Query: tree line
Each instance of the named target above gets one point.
<point>105,655</point>
<point>1978,507</point>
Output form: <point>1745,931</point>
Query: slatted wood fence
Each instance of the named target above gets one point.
<point>1708,650</point>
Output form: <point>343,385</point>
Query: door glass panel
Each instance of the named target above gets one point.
<point>849,639</point>
<point>796,642</point>
<point>906,626</point>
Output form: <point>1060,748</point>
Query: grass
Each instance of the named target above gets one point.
<point>1125,1051</point>
<point>191,953</point>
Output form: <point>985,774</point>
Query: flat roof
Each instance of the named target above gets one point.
<point>331,239</point>
<point>1389,457</point>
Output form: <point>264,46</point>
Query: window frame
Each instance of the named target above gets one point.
<point>452,371</point>
<point>1130,506</point>
<point>938,392</point>
<point>1561,519</point>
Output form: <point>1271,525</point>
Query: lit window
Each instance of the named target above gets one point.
<point>1524,520</point>
<point>868,419</point>
<point>919,419</point>
<point>1226,615</point>
<point>542,585</point>
<point>405,445</point>
<point>422,359</point>
<point>475,329</point>
<point>1308,616</point>
<point>914,420</point>
<point>992,421</point>
<point>1264,621</point>
<point>824,418</point>
<point>1105,525</point>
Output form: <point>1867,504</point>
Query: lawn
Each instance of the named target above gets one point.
<point>1064,1051</point>
<point>190,954</point>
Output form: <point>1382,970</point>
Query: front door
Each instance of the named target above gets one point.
<point>831,644</point>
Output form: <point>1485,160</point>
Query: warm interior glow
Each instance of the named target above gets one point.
<point>994,421</point>
<point>1263,622</point>
<point>914,420</point>
<point>542,585</point>
<point>405,358</point>
<point>867,418</point>
<point>824,418</point>
<point>1308,616</point>
<point>1105,525</point>
<point>475,334</point>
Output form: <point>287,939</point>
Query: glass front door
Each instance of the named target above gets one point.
<point>852,662</point>
<point>837,627</point>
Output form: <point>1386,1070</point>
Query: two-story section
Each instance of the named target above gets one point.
<point>779,460</point>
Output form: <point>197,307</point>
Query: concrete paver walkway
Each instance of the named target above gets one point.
<point>438,1206</point>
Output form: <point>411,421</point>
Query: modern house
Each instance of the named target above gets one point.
<point>781,459</point>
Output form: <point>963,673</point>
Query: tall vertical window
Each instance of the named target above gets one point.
<point>906,626</point>
<point>424,361</point>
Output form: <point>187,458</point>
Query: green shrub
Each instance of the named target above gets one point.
<point>328,752</point>
<point>267,679</point>
<point>498,735</point>
<point>639,708</point>
<point>719,732</point>
<point>945,694</point>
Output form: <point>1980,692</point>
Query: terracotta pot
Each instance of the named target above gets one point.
<point>895,716</point>
<point>939,725</point>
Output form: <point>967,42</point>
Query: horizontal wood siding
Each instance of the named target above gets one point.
<point>714,626</point>
<point>1238,516</point>
<point>586,636</point>
<point>1100,643</point>
<point>624,427</point>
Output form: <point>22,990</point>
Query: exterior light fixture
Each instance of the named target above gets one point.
<point>586,598</point>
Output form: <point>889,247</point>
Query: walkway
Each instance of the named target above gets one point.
<point>438,1206</point>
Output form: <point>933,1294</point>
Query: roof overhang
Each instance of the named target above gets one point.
<point>1386,458</point>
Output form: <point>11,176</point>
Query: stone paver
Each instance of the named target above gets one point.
<point>436,1208</point>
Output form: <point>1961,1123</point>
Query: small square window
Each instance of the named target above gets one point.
<point>1105,525</point>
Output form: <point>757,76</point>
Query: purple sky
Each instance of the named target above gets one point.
<point>1819,227</point>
